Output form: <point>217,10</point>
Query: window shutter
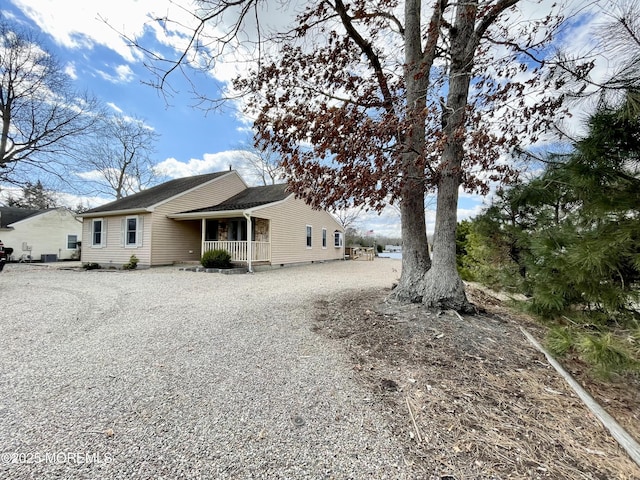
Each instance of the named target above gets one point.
<point>139,231</point>
<point>123,231</point>
<point>103,236</point>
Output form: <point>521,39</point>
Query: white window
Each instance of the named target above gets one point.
<point>98,233</point>
<point>72,242</point>
<point>324,238</point>
<point>337,239</point>
<point>132,229</point>
<point>309,236</point>
<point>131,235</point>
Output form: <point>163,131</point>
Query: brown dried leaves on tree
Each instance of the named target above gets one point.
<point>356,98</point>
<point>360,107</point>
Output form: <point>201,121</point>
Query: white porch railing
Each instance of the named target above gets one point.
<point>260,251</point>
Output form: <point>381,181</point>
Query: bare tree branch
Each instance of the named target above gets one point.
<point>42,119</point>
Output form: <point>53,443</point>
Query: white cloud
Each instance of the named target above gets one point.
<point>7,191</point>
<point>92,176</point>
<point>83,28</point>
<point>386,224</point>
<point>83,25</point>
<point>122,74</point>
<point>128,118</point>
<point>70,70</point>
<point>210,162</point>
<point>71,201</point>
<point>63,199</point>
<point>113,106</point>
<point>469,213</point>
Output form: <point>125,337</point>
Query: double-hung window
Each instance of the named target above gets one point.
<point>72,242</point>
<point>98,233</point>
<point>324,238</point>
<point>309,236</point>
<point>337,239</point>
<point>132,231</point>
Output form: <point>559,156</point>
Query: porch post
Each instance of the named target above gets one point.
<point>204,228</point>
<point>249,243</point>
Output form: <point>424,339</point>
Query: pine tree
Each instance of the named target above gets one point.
<point>591,257</point>
<point>34,196</point>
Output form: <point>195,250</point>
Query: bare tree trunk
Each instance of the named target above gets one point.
<point>443,287</point>
<point>415,249</point>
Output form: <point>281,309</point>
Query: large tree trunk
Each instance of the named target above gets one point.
<point>415,249</point>
<point>443,287</point>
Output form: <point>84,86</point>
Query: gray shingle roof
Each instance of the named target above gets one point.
<point>157,194</point>
<point>249,198</point>
<point>9,215</point>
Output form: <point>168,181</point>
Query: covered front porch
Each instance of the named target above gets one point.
<point>239,250</point>
<point>246,239</point>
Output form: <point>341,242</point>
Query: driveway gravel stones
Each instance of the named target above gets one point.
<point>164,373</point>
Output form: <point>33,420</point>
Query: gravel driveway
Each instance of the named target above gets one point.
<point>170,374</point>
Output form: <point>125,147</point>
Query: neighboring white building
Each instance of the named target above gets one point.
<point>47,235</point>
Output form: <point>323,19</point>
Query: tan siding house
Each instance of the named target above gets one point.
<point>111,251</point>
<point>181,241</point>
<point>179,220</point>
<point>139,224</point>
<point>49,235</point>
<point>290,220</point>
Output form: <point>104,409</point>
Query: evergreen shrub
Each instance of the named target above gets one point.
<point>216,259</point>
<point>133,263</point>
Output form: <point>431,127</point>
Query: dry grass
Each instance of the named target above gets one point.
<point>469,397</point>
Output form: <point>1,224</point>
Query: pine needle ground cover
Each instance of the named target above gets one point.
<point>471,398</point>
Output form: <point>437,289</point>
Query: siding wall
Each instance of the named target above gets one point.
<point>45,233</point>
<point>289,220</point>
<point>173,240</point>
<point>165,241</point>
<point>114,254</point>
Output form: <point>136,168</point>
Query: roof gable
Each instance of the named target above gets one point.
<point>249,198</point>
<point>10,215</point>
<point>158,194</point>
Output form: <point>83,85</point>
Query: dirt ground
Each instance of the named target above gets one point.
<point>471,398</point>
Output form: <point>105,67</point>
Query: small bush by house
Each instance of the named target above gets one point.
<point>216,259</point>
<point>133,263</point>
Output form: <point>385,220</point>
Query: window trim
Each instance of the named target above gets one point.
<point>127,232</point>
<point>338,235</point>
<point>309,236</point>
<point>324,238</point>
<point>75,242</point>
<point>124,234</point>
<point>103,233</point>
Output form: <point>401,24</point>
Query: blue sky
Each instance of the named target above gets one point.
<point>97,59</point>
<point>93,55</point>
